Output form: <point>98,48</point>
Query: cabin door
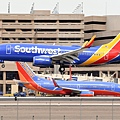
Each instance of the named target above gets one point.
<point>8,49</point>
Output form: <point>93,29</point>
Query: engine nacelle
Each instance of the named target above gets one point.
<point>42,61</point>
<point>87,94</point>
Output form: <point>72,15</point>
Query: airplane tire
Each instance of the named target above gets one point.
<point>3,65</point>
<point>62,73</point>
<point>62,69</point>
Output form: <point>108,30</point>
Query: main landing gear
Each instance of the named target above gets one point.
<point>62,69</point>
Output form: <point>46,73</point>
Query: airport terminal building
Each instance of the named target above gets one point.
<point>43,27</point>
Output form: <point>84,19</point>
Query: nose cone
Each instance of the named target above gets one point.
<point>2,51</point>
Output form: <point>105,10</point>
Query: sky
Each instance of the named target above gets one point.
<point>90,7</point>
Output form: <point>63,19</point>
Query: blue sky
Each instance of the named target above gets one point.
<point>90,7</point>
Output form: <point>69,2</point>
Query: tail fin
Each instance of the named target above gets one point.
<point>29,79</point>
<point>26,75</point>
<point>114,42</point>
<point>25,69</point>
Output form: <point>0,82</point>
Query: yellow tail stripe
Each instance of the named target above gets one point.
<point>102,51</point>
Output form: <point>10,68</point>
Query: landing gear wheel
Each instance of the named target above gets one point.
<point>3,65</point>
<point>62,70</point>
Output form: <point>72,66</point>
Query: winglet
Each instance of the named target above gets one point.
<point>88,44</point>
<point>84,44</point>
<point>55,84</point>
<point>18,81</point>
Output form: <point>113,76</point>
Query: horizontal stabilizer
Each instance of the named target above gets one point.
<point>68,88</point>
<point>18,81</point>
<point>73,89</point>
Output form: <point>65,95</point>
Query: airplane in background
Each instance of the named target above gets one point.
<point>41,54</point>
<point>62,87</point>
<point>47,55</point>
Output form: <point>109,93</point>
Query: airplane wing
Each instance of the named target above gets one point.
<point>68,88</point>
<point>73,54</point>
<point>20,82</point>
<point>73,89</point>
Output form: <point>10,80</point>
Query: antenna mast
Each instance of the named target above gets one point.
<point>9,7</point>
<point>56,9</point>
<point>32,9</point>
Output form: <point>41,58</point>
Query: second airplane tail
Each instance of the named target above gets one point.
<point>114,42</point>
<point>27,76</point>
<point>24,70</point>
<point>32,81</point>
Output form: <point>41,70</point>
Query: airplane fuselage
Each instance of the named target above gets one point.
<point>98,88</point>
<point>26,52</point>
<point>83,88</point>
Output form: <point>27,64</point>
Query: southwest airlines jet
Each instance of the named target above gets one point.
<point>47,55</point>
<point>62,87</point>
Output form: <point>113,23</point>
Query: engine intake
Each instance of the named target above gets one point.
<point>87,94</point>
<point>42,61</point>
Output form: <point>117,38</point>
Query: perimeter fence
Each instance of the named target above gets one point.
<point>59,108</point>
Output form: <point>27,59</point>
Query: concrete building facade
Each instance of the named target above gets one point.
<point>42,27</point>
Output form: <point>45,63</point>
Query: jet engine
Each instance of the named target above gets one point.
<point>87,94</point>
<point>42,61</point>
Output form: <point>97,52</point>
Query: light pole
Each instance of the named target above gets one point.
<point>112,108</point>
<point>50,110</point>
<point>33,117</point>
<point>1,117</point>
<point>96,117</point>
<point>17,105</point>
<point>64,117</point>
<point>80,107</point>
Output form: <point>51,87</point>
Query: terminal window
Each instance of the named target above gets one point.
<point>8,88</point>
<point>1,87</point>
<point>1,75</point>
<point>10,75</point>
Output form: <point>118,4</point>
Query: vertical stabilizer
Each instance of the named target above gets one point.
<point>26,75</point>
<point>115,41</point>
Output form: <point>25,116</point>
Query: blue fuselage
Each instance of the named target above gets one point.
<point>26,52</point>
<point>109,86</point>
<point>99,88</point>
